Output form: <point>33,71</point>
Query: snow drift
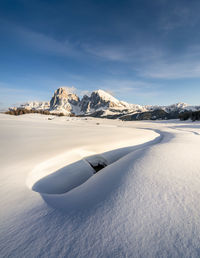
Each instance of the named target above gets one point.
<point>55,188</point>
<point>144,204</point>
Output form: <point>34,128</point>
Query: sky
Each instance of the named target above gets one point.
<point>142,51</point>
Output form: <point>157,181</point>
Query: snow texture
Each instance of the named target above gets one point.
<point>144,203</point>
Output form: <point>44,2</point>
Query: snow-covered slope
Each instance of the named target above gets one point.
<point>179,107</point>
<point>145,204</point>
<point>99,100</point>
<point>35,105</point>
<point>107,104</point>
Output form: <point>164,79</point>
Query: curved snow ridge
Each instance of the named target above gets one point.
<point>187,129</point>
<point>79,185</point>
<point>49,166</point>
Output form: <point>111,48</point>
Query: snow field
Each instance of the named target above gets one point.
<point>144,204</point>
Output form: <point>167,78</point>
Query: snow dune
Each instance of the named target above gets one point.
<point>142,204</point>
<point>54,188</point>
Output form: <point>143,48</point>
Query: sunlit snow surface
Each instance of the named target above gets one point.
<point>144,203</point>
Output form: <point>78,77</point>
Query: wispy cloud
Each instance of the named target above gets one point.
<point>132,88</point>
<point>124,53</point>
<point>179,16</point>
<point>184,65</point>
<point>40,41</point>
<point>149,61</point>
<point>176,70</point>
<point>46,43</point>
<point>107,52</point>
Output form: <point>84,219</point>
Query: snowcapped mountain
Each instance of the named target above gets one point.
<point>103,104</point>
<point>100,100</point>
<point>34,105</point>
<point>181,107</point>
<point>64,102</point>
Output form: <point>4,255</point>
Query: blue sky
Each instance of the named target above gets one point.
<point>144,52</point>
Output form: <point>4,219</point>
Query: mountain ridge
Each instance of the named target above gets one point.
<point>102,104</point>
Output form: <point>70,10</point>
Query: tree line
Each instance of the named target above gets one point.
<point>193,115</point>
<point>23,111</point>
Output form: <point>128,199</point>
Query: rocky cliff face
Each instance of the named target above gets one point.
<point>99,100</point>
<point>65,102</point>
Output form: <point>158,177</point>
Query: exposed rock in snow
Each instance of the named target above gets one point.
<point>102,104</point>
<point>99,100</point>
<point>65,102</point>
<point>85,104</point>
<point>97,162</point>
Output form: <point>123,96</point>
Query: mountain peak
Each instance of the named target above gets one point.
<point>103,93</point>
<point>106,96</point>
<point>63,92</point>
<point>63,101</point>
